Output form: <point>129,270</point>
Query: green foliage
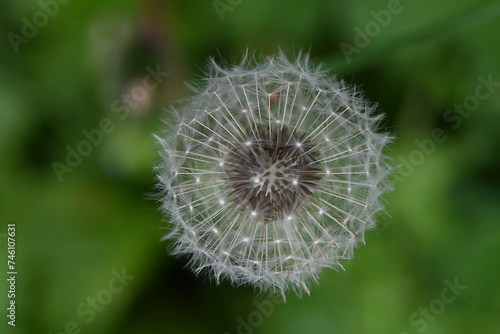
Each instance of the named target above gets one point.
<point>442,220</point>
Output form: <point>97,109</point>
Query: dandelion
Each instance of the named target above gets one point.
<point>271,172</point>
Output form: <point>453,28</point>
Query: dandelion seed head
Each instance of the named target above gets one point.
<point>281,168</point>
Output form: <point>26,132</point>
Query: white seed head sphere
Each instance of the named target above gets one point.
<point>271,172</point>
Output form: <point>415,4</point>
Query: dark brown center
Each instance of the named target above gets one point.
<point>272,172</point>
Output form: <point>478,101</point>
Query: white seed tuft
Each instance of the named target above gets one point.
<point>271,172</point>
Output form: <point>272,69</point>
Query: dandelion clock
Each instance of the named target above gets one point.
<point>271,172</point>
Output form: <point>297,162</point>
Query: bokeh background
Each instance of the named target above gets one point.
<point>76,233</point>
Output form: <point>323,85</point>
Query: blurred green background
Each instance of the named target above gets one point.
<point>77,232</point>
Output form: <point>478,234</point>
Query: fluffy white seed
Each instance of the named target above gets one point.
<point>282,176</point>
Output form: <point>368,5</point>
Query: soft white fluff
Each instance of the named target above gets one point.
<point>224,237</point>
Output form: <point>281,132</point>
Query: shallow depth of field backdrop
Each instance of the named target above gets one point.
<point>66,73</point>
